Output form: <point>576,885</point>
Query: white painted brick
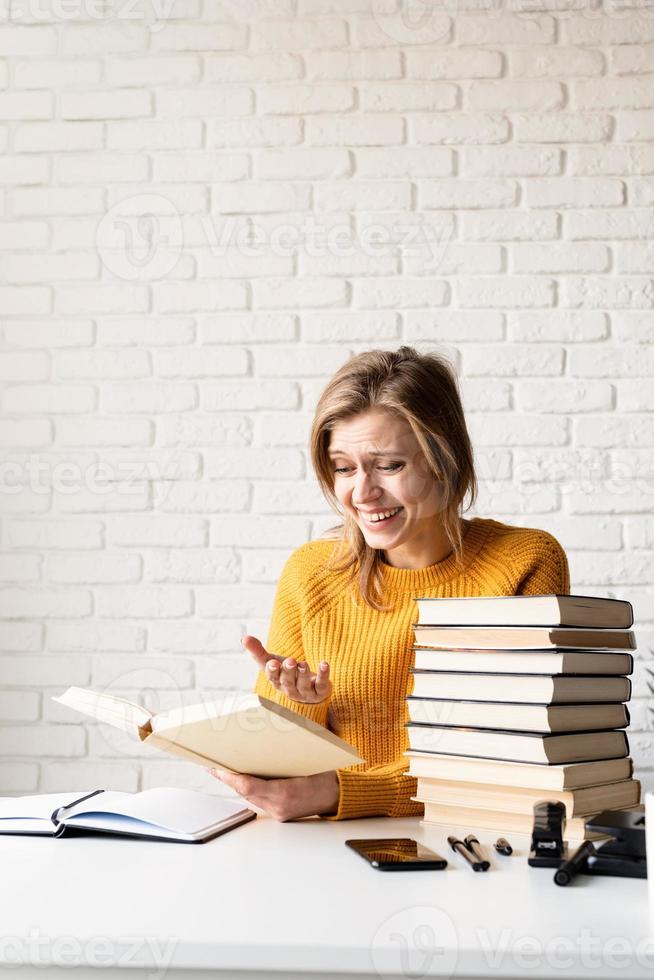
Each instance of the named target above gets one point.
<point>640,191</point>
<point>23,169</point>
<point>202,296</point>
<point>165,673</point>
<point>459,128</point>
<point>204,167</point>
<point>200,363</point>
<point>302,164</point>
<point>26,105</point>
<point>609,361</point>
<point>20,637</point>
<point>102,39</point>
<point>411,161</point>
<point>45,604</point>
<point>631,59</point>
<point>20,568</point>
<point>38,200</point>
<point>156,531</point>
<point>554,61</point>
<point>287,497</point>
<point>354,131</point>
<point>613,93</point>
<point>362,195</point>
<point>171,70</point>
<point>199,37</point>
<point>504,29</point>
<point>515,161</point>
<point>298,35</point>
<point>509,225</point>
<point>330,328</point>
<point>25,670</point>
<point>294,362</point>
<point>632,327</point>
<point>80,568</point>
<point>264,566</point>
<point>151,135</point>
<point>634,257</point>
<point>276,429</point>
<point>236,263</point>
<point>231,495</point>
<point>454,63</point>
<point>57,137</point>
<point>49,333</point>
<point>457,193</point>
<point>600,569</point>
<point>486,396</point>
<point>246,328</point>
<point>454,326</point>
<point>146,602</point>
<point>49,399</point>
<point>254,132</point>
<point>15,235</point>
<point>638,532</point>
<point>608,160</point>
<point>19,366</point>
<point>269,67</point>
<point>115,104</point>
<point>586,533</point>
<point>102,364</point>
<point>513,360</point>
<point>163,332</point>
<point>101,498</point>
<point>196,101</point>
<point>388,27</point>
<point>618,292</point>
<point>635,126</point>
<point>353,65</point>
<point>274,294</point>
<point>511,430</point>
<point>50,267</point>
<point>622,29</point>
<point>27,41</point>
<point>516,292</point>
<point>607,225</point>
<point>194,636</point>
<point>151,398</point>
<point>250,531</point>
<point>634,398</point>
<point>226,673</point>
<point>203,430</point>
<point>252,463</point>
<point>49,535</point>
<point>19,300</point>
<point>42,740</point>
<point>454,259</point>
<point>563,127</point>
<point>104,432</point>
<point>248,395</point>
<point>76,233</point>
<point>564,258</point>
<point>26,433</point>
<point>235,601</point>
<point>521,96</point>
<point>404,97</point>
<point>396,293</point>
<point>558,325</point>
<point>606,431</point>
<point>564,396</point>
<point>121,776</point>
<point>294,100</point>
<point>571,192</point>
<point>357,264</point>
<point>85,168</point>
<point>219,565</point>
<point>19,778</point>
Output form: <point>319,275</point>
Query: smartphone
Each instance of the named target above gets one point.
<point>397,854</point>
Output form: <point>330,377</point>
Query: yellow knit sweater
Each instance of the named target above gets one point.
<point>315,618</point>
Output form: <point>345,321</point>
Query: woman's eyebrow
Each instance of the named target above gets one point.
<point>387,452</point>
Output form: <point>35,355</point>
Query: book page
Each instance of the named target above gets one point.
<point>114,711</point>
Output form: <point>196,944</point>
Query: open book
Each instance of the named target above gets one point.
<point>242,733</point>
<point>164,814</point>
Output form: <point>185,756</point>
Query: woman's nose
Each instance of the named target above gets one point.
<point>365,488</point>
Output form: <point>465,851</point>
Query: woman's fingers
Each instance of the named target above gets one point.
<point>304,682</point>
<point>258,652</point>
<point>322,684</point>
<point>288,679</point>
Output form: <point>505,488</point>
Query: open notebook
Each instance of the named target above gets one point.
<point>163,813</point>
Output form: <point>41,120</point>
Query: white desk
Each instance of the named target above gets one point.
<point>291,898</point>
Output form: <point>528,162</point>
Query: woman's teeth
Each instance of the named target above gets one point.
<point>382,515</point>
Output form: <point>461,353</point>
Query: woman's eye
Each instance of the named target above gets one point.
<point>340,469</point>
<point>391,467</point>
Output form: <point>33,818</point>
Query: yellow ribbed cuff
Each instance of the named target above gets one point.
<point>375,794</point>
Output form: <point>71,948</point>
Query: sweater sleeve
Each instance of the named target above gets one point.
<point>548,573</point>
<point>285,638</point>
<point>380,791</point>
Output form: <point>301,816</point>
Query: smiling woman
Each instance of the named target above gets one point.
<point>392,454</point>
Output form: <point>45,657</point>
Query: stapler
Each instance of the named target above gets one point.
<point>623,855</point>
<point>547,847</point>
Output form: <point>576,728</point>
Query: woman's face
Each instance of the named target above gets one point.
<point>379,470</point>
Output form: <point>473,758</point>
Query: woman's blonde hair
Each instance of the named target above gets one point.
<point>422,389</point>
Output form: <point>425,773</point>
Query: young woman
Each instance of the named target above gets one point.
<point>392,455</point>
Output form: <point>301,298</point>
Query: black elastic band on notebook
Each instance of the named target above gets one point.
<point>56,812</point>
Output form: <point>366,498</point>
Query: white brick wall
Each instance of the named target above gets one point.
<point>202,217</point>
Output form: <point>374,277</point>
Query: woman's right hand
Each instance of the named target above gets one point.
<point>290,676</point>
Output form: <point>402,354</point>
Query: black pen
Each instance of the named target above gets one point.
<point>460,848</point>
<point>474,846</point>
<point>567,871</point>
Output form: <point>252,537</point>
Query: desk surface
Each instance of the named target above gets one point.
<point>290,897</point>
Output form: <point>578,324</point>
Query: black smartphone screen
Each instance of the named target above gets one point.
<point>397,854</point>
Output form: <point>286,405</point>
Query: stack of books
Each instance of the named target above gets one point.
<point>517,699</point>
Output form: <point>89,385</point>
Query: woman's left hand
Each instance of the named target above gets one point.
<point>286,799</point>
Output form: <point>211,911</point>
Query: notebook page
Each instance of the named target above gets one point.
<point>31,814</point>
